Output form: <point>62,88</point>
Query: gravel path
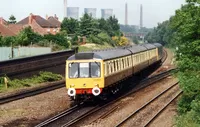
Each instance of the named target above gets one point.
<point>133,102</point>
<point>32,110</point>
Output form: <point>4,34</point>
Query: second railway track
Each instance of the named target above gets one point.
<point>146,110</point>
<point>31,92</point>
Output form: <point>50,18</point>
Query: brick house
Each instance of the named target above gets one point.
<point>4,29</point>
<point>41,25</point>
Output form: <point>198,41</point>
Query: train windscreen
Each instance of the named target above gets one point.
<point>84,70</point>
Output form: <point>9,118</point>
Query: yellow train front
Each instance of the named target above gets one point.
<point>93,73</point>
<point>84,75</point>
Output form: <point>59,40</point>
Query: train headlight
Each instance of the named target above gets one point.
<point>96,91</point>
<point>71,92</point>
<point>72,85</point>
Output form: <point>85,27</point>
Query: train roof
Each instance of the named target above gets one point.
<point>113,53</point>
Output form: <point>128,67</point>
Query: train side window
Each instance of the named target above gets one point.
<point>116,63</point>
<point>114,66</point>
<point>119,65</point>
<point>128,61</point>
<point>110,65</point>
<point>122,63</point>
<point>109,68</point>
<point>105,69</point>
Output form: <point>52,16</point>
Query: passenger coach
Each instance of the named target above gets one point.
<point>91,73</point>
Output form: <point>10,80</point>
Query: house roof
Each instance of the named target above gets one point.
<point>16,28</point>
<point>3,21</point>
<point>41,21</point>
<point>37,28</point>
<point>4,31</point>
<point>54,21</point>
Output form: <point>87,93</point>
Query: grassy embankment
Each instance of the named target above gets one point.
<point>28,82</point>
<point>43,76</point>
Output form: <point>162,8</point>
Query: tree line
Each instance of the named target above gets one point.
<point>182,32</point>
<point>97,31</point>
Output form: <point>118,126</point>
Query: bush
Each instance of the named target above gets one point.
<point>95,40</point>
<point>104,37</point>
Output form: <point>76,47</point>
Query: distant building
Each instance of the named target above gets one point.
<point>53,20</point>
<point>3,21</point>
<point>126,14</point>
<point>5,31</point>
<point>106,13</point>
<point>65,8</point>
<point>91,11</point>
<point>73,12</point>
<point>141,16</point>
<point>41,25</point>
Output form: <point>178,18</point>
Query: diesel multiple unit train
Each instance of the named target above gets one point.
<point>93,73</point>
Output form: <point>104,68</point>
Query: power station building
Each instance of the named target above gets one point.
<point>73,12</point>
<point>106,13</point>
<point>91,11</point>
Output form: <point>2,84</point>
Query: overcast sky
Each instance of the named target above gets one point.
<point>154,11</point>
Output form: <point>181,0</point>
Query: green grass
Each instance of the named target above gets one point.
<point>29,82</point>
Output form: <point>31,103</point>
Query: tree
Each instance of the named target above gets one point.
<point>103,25</point>
<point>88,26</point>
<point>59,38</point>
<point>28,36</point>
<point>12,19</point>
<point>70,25</point>
<point>115,28</point>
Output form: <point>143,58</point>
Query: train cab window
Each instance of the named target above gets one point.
<point>95,69</point>
<point>73,70</point>
<point>84,70</point>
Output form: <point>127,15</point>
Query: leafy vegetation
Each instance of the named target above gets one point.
<point>98,31</point>
<point>12,20</point>
<point>35,80</point>
<point>28,37</point>
<point>182,32</point>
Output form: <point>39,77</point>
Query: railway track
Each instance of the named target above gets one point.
<point>130,119</point>
<point>69,121</point>
<point>31,92</point>
<point>165,56</point>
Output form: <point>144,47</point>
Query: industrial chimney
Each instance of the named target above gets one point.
<point>141,16</point>
<point>65,8</point>
<point>126,14</point>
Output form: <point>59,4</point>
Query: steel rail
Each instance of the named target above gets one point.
<point>161,110</point>
<point>145,105</point>
<point>31,92</point>
<point>60,115</point>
